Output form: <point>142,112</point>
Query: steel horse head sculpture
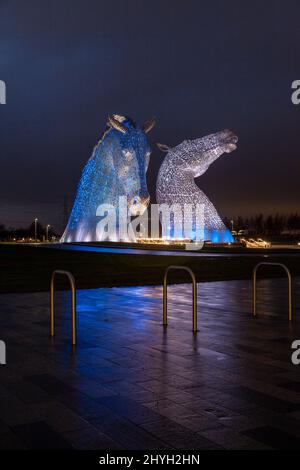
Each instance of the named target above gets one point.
<point>185,162</point>
<point>117,167</point>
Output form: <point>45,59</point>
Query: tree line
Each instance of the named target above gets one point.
<point>266,224</point>
<point>259,224</point>
<point>10,233</point>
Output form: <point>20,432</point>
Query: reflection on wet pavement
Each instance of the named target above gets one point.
<point>133,384</point>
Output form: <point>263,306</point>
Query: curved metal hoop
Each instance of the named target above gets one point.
<point>254,285</point>
<point>73,293</point>
<point>165,295</point>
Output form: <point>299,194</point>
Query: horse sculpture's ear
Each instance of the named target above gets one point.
<point>163,147</point>
<point>116,124</point>
<point>149,125</point>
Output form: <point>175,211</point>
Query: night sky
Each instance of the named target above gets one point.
<point>197,66</point>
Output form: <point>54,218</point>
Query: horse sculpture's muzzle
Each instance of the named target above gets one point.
<point>229,141</point>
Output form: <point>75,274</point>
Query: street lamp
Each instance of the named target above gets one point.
<point>232,222</point>
<point>35,229</point>
<point>47,231</point>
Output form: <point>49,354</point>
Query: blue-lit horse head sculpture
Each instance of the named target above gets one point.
<point>117,167</point>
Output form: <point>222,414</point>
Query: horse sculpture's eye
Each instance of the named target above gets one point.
<point>122,171</point>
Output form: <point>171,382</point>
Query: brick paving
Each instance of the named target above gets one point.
<point>131,384</point>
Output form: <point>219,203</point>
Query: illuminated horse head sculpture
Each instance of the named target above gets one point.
<point>116,168</point>
<point>175,183</point>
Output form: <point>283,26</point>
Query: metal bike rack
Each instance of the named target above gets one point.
<point>73,292</point>
<point>254,278</point>
<point>165,295</point>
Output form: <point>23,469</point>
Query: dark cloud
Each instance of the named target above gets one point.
<point>198,66</point>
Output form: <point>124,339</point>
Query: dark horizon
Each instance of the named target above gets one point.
<point>198,67</point>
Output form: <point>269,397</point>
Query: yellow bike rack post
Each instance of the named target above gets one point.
<point>73,292</point>
<point>165,295</point>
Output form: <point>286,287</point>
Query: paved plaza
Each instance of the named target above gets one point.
<point>131,384</point>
